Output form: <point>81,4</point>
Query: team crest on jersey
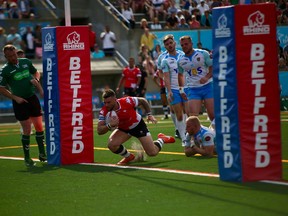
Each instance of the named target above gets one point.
<point>172,61</point>
<point>208,138</point>
<point>128,100</point>
<point>25,66</point>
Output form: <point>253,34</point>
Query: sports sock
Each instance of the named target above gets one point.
<point>122,151</point>
<point>166,110</point>
<point>159,143</point>
<point>40,142</point>
<point>26,143</point>
<point>185,116</point>
<point>174,120</point>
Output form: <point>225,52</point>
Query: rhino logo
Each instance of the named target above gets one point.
<point>73,38</point>
<point>256,19</point>
<point>222,22</point>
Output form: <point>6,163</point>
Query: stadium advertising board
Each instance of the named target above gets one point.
<point>245,72</point>
<point>68,96</point>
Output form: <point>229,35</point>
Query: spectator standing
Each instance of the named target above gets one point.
<point>29,42</point>
<point>38,41</point>
<point>24,6</point>
<point>142,53</point>
<point>14,12</point>
<point>147,39</point>
<point>156,53</point>
<point>149,65</point>
<point>14,38</point>
<point>127,12</point>
<point>202,7</point>
<point>131,77</point>
<point>97,53</point>
<point>92,37</point>
<point>26,104</point>
<point>109,39</point>
<point>206,19</point>
<point>194,24</point>
<point>3,41</point>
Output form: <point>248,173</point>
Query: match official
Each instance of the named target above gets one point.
<point>22,78</point>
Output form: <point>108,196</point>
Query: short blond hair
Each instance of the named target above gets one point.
<point>193,120</point>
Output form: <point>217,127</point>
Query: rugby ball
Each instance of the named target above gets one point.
<point>109,116</point>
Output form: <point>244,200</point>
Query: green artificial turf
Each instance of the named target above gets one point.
<point>101,190</point>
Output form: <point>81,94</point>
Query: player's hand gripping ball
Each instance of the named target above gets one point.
<point>112,120</point>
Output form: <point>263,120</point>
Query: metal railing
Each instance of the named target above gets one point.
<point>116,12</point>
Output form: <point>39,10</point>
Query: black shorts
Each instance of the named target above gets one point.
<point>140,130</point>
<point>163,90</point>
<point>129,92</point>
<point>26,110</point>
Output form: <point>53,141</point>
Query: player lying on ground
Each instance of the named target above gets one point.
<point>128,123</point>
<point>199,139</point>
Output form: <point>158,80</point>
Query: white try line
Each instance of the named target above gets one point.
<point>184,172</point>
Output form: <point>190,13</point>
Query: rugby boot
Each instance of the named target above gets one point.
<point>42,157</point>
<point>29,162</point>
<point>166,138</point>
<point>126,160</point>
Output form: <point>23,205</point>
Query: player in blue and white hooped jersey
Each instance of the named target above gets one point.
<point>169,68</point>
<point>161,83</point>
<point>199,139</point>
<point>195,73</point>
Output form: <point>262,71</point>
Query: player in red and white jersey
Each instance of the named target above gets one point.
<point>131,78</point>
<point>160,83</point>
<point>129,123</point>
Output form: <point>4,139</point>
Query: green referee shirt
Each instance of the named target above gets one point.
<point>18,77</point>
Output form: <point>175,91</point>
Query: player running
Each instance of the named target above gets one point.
<point>129,123</point>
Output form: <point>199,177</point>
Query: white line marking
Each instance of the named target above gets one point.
<point>185,172</point>
<point>155,169</point>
